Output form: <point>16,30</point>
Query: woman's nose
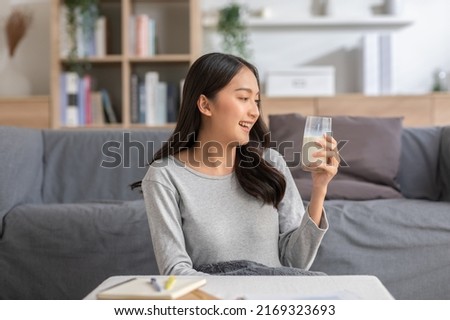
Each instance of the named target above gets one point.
<point>254,111</point>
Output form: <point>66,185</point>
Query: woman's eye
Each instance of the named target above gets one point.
<point>244,98</point>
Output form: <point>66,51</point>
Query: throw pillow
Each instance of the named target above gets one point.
<point>370,149</point>
<point>418,174</point>
<point>444,164</point>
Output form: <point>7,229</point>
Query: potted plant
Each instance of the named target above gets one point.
<point>233,30</point>
<point>80,15</point>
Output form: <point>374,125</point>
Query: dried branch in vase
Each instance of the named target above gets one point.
<point>16,27</point>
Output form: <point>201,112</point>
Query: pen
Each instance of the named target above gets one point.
<point>118,284</point>
<point>155,284</point>
<point>170,282</point>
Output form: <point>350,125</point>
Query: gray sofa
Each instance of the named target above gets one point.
<point>69,219</point>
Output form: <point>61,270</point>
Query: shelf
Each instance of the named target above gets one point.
<point>163,58</point>
<point>107,59</point>
<point>144,126</point>
<point>120,58</point>
<point>322,22</point>
<point>120,126</point>
<point>94,127</point>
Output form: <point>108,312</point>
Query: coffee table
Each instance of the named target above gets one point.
<point>282,287</point>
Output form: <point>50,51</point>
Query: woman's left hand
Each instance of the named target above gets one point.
<point>323,173</point>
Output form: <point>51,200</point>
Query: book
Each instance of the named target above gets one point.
<point>142,36</point>
<point>98,114</point>
<point>142,289</point>
<point>151,37</point>
<point>87,84</point>
<point>161,103</point>
<point>100,36</point>
<point>142,101</point>
<point>109,111</point>
<point>151,89</point>
<point>63,98</point>
<point>132,35</point>
<point>81,102</point>
<point>72,107</point>
<point>134,98</point>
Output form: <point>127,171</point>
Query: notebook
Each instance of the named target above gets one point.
<point>141,289</point>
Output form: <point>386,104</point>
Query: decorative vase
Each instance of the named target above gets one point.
<point>12,81</point>
<point>346,8</point>
<point>393,7</point>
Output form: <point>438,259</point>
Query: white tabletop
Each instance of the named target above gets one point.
<point>282,287</point>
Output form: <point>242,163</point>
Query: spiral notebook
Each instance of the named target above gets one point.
<point>141,289</point>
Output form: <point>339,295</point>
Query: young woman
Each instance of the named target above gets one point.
<point>215,193</point>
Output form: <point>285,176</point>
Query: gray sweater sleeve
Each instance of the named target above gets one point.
<point>165,227</point>
<point>300,237</point>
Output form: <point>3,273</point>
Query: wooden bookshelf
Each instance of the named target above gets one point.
<point>179,45</point>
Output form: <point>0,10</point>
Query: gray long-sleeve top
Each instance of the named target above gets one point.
<point>196,218</point>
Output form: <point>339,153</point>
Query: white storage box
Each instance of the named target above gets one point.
<point>307,81</point>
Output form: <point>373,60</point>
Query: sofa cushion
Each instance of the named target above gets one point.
<point>21,168</point>
<point>371,154</point>
<point>444,164</point>
<point>87,165</point>
<point>63,251</point>
<point>404,242</point>
<point>418,174</point>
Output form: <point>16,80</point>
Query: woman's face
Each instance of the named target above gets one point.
<point>234,110</point>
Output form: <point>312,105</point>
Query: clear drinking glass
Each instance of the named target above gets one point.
<point>315,130</point>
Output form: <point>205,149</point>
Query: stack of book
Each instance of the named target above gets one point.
<point>80,105</point>
<point>142,36</point>
<point>153,102</point>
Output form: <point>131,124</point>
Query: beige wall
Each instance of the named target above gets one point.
<point>33,52</point>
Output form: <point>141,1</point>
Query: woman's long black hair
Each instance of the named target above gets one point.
<point>208,75</point>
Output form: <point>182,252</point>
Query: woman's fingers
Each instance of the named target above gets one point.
<point>327,142</point>
<point>332,156</point>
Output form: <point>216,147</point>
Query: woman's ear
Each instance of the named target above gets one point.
<point>203,105</point>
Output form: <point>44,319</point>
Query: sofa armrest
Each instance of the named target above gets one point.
<point>21,169</point>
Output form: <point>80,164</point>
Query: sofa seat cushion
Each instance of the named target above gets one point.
<point>404,242</point>
<point>370,151</point>
<point>63,251</point>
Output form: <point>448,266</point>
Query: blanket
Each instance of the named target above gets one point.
<point>251,268</point>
